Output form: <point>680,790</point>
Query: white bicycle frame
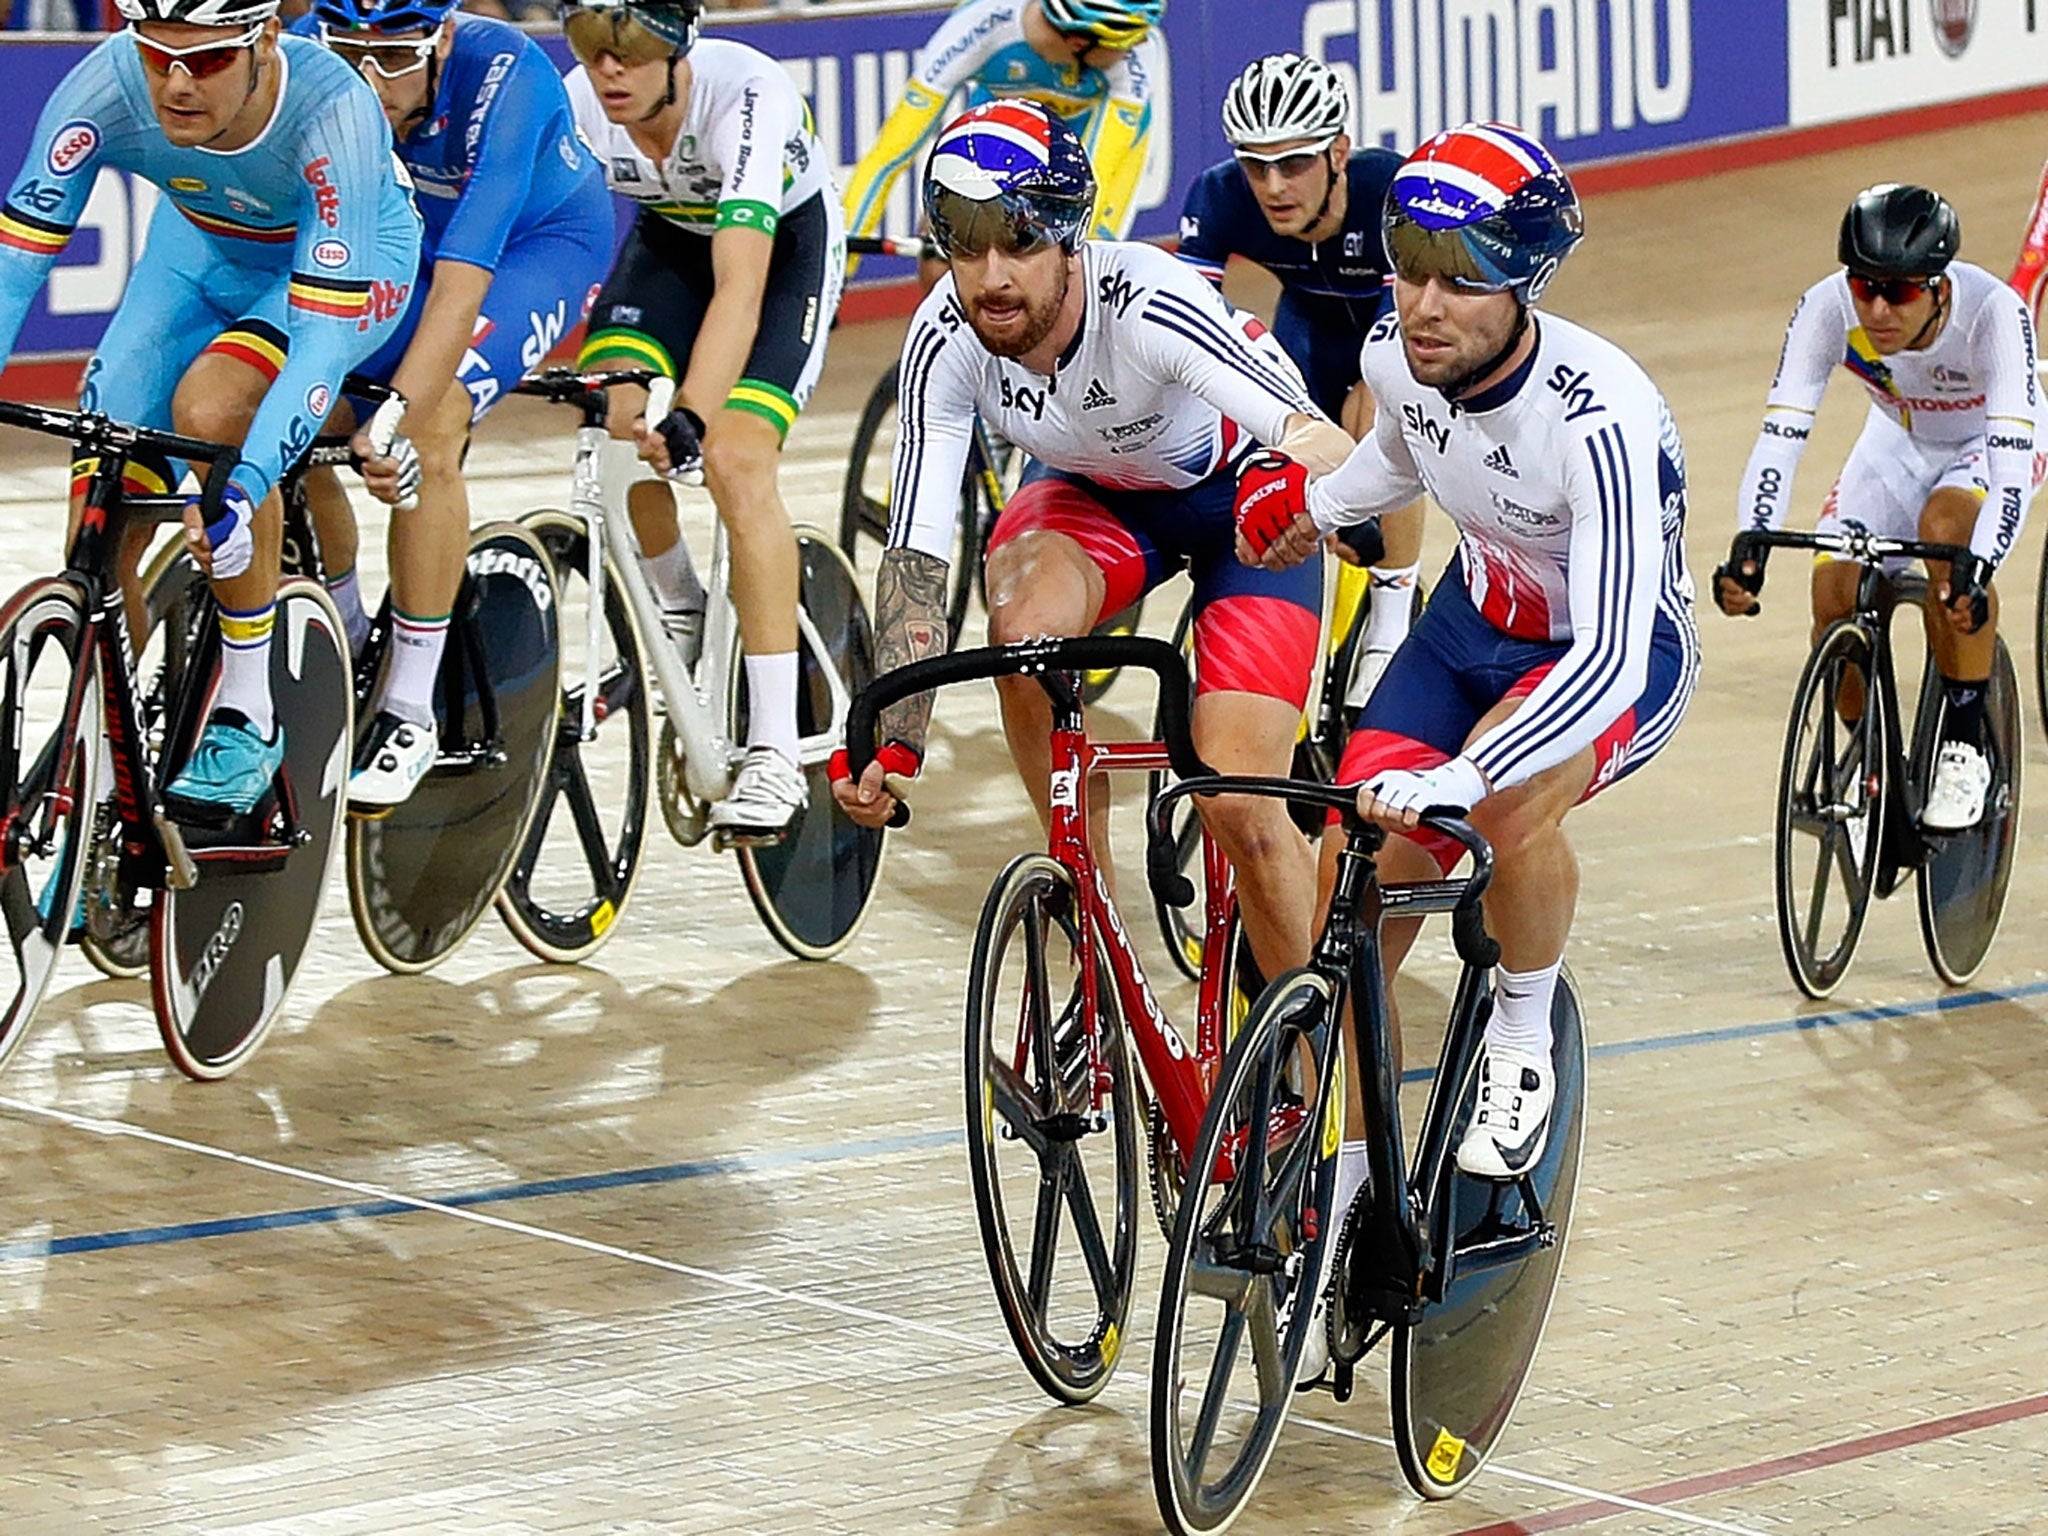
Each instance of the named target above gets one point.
<point>699,708</point>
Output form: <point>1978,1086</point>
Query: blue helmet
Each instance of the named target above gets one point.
<point>383,15</point>
<point>1485,206</point>
<point>1009,172</point>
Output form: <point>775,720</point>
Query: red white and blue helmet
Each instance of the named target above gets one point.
<point>1485,206</point>
<point>1009,170</point>
<point>382,15</point>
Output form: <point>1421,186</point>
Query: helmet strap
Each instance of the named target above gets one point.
<point>1329,191</point>
<point>1460,387</point>
<point>1935,316</point>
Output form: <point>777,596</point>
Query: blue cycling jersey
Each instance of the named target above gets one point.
<point>314,205</point>
<point>1331,291</point>
<point>497,155</point>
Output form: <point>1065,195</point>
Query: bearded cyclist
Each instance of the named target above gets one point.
<point>518,234</point>
<point>1298,200</point>
<point>1093,63</point>
<point>282,210</point>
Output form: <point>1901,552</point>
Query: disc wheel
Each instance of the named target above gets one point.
<point>50,745</point>
<point>422,876</point>
<point>1459,1369</point>
<point>813,887</point>
<point>1246,1261</point>
<point>223,953</point>
<point>1962,883</point>
<point>864,500</point>
<point>1052,1139</point>
<point>1830,814</point>
<point>572,878</point>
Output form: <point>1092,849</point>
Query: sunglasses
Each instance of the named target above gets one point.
<point>1893,290</point>
<point>966,227</point>
<point>1292,164</point>
<point>592,34</point>
<point>365,55</point>
<point>201,61</point>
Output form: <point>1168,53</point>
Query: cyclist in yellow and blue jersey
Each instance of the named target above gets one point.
<point>1095,63</point>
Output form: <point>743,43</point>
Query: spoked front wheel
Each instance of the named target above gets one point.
<point>1830,819</point>
<point>50,745</point>
<point>582,852</point>
<point>223,952</point>
<point>1052,1134</point>
<point>1963,880</point>
<point>1247,1258</point>
<point>813,887</point>
<point>1459,1368</point>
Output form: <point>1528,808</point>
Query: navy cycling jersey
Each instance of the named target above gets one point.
<point>498,155</point>
<point>1337,282</point>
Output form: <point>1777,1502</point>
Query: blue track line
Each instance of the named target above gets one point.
<point>884,1146</point>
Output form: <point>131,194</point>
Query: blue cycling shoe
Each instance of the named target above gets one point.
<point>229,771</point>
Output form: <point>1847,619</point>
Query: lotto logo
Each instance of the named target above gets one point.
<point>72,145</point>
<point>326,201</point>
<point>386,301</point>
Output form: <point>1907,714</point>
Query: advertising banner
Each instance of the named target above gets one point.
<point>1853,58</point>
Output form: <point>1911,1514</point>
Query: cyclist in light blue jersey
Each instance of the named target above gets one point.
<point>518,237</point>
<point>280,257</point>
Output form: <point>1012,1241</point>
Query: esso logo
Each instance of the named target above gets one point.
<point>331,253</point>
<point>72,145</point>
<point>318,399</point>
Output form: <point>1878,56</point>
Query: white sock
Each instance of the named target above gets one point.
<point>1521,1009</point>
<point>1393,594</point>
<point>245,666</point>
<point>1351,1175</point>
<point>675,579</point>
<point>771,704</point>
<point>414,664</point>
<point>348,597</point>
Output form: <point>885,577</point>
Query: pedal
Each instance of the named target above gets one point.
<point>1342,1377</point>
<point>726,839</point>
<point>182,874</point>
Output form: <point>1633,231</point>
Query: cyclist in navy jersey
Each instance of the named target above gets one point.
<point>1297,200</point>
<point>518,235</point>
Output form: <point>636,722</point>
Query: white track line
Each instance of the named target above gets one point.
<point>1590,1495</point>
<point>754,1287</point>
<point>483,1219</point>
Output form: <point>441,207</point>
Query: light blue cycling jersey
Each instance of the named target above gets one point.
<point>310,226</point>
<point>497,155</point>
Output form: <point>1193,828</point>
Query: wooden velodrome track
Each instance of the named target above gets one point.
<point>713,1264</point>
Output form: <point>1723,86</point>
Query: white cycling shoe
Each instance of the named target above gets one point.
<point>764,799</point>
<point>1962,778</point>
<point>395,755</point>
<point>1511,1124</point>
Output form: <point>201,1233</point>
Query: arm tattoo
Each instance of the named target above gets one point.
<point>910,624</point>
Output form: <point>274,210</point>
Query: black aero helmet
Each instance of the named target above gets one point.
<point>1895,230</point>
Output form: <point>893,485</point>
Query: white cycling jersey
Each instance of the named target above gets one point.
<point>1164,385</point>
<point>1567,483</point>
<point>1974,384</point>
<point>745,155</point>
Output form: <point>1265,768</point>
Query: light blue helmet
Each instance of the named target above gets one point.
<point>383,15</point>
<point>1112,23</point>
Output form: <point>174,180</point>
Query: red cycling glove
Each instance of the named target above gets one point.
<point>1272,493</point>
<point>896,757</point>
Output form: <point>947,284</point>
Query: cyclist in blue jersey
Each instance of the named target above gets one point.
<point>1298,200</point>
<point>278,259</point>
<point>518,236</point>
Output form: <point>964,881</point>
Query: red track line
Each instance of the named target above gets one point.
<point>1777,1467</point>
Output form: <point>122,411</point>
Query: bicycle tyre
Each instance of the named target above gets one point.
<point>813,888</point>
<point>47,810</point>
<point>1459,1369</point>
<point>1251,1237</point>
<point>1031,918</point>
<point>1832,793</point>
<point>1960,887</point>
<point>224,953</point>
<point>579,899</point>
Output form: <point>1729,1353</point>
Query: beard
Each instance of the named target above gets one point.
<point>1016,335</point>
<point>1447,370</point>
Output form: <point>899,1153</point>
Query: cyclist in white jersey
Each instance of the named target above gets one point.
<point>1947,453</point>
<point>1558,652</point>
<point>1136,390</point>
<point>728,283</point>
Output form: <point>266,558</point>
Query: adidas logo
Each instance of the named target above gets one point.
<point>1096,398</point>
<point>1499,462</point>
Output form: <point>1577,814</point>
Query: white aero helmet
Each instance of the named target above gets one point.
<point>199,13</point>
<point>1285,96</point>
